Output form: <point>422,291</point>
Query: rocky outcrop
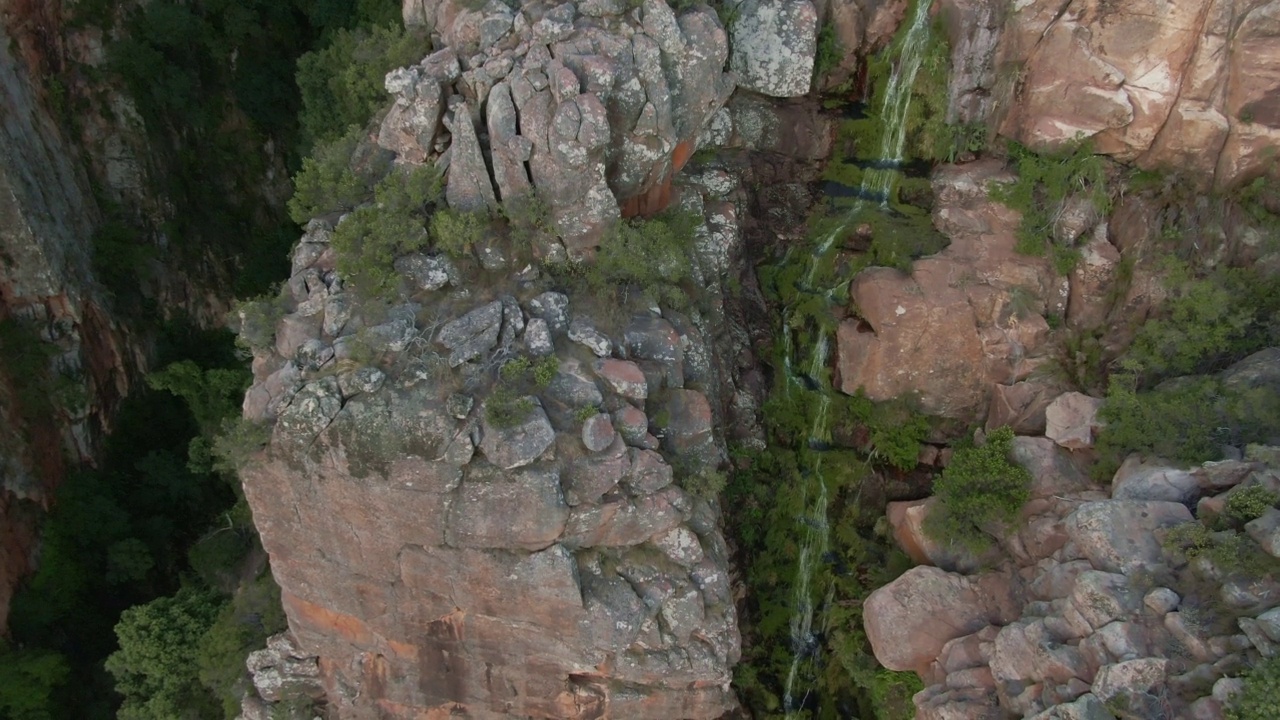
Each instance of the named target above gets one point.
<point>774,42</point>
<point>592,106</point>
<point>1185,86</point>
<point>1103,611</point>
<point>450,538</point>
<point>991,299</point>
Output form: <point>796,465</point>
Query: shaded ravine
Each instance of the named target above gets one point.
<point>877,187</point>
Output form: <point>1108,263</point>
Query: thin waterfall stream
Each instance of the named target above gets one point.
<point>877,186</point>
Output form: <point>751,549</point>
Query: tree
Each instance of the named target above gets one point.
<point>156,668</point>
<point>29,680</point>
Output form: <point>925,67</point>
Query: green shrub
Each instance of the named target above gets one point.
<point>255,320</point>
<point>241,626</point>
<point>1261,694</point>
<point>1229,551</point>
<point>368,241</point>
<point>29,681</point>
<point>1247,504</point>
<point>829,52</point>
<point>456,233</point>
<point>28,359</point>
<point>237,442</point>
<point>545,370</point>
<point>342,83</point>
<point>1045,183</point>
<point>979,489</point>
<point>506,409</point>
<point>327,183</point>
<point>707,484</point>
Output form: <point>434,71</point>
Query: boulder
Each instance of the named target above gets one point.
<point>1265,530</point>
<point>623,377</point>
<point>520,443</point>
<point>523,510</point>
<point>909,620</point>
<point>1021,406</point>
<point>1072,419</point>
<point>472,334</point>
<point>1138,479</point>
<point>598,433</point>
<point>1131,677</point>
<point>468,187</point>
<point>1119,535</point>
<point>774,43</point>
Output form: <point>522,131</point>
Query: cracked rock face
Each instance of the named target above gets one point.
<point>594,106</point>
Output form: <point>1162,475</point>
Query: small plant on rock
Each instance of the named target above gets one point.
<point>980,490</point>
<point>1261,694</point>
<point>1247,504</point>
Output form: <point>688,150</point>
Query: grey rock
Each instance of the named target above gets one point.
<point>1269,623</point>
<point>509,150</point>
<point>281,668</point>
<point>361,380</point>
<point>598,433</point>
<point>311,410</point>
<point>774,43</point>
<point>313,355</point>
<point>631,424</point>
<point>1085,707</point>
<point>681,545</point>
<point>553,307</point>
<point>521,444</point>
<point>537,338</point>
<point>1119,535</point>
<point>426,272</point>
<point>622,522</point>
<point>337,313</point>
<point>459,405</point>
<point>1265,530</point>
<point>1130,677</point>
<point>583,332</point>
<point>472,334</point>
<point>615,610</point>
<point>512,321</point>
<point>468,187</point>
<point>1101,597</point>
<point>683,613</point>
<point>654,339</point>
<point>1140,480</point>
<point>1258,637</point>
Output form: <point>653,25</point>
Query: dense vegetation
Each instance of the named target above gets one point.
<point>151,586</point>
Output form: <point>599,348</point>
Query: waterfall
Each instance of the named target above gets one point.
<point>877,182</point>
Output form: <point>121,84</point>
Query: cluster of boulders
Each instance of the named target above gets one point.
<point>1082,610</point>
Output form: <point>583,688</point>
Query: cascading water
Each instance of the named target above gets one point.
<point>877,183</point>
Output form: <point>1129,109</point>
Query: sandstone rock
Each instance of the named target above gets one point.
<point>1091,279</point>
<point>622,522</point>
<point>508,149</point>
<point>654,339</point>
<point>632,424</point>
<point>1086,707</point>
<point>1265,531</point>
<point>774,43</point>
<point>311,410</point>
<point>1021,406</point>
<point>519,444</point>
<point>1101,597</point>
<point>1025,653</point>
<point>909,620</point>
<point>1118,535</point>
<point>1130,677</point>
<point>623,377</point>
<point>1161,600</point>
<point>590,477</point>
<point>524,510</point>
<point>598,433</point>
<point>1072,419</point>
<point>1140,480</point>
<point>1269,623</point>
<point>681,545</point>
<point>649,472</point>
<point>687,432</point>
<point>537,338</point>
<point>472,334</point>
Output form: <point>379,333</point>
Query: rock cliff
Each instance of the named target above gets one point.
<point>61,375</point>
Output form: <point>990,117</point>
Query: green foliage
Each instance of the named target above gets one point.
<point>1230,552</point>
<point>506,409</point>
<point>241,626</point>
<point>342,83</point>
<point>28,360</point>
<point>128,561</point>
<point>829,52</point>
<point>1248,503</point>
<point>212,394</point>
<point>648,253</point>
<point>980,489</point>
<point>1261,694</point>
<point>1045,183</point>
<point>545,370</point>
<point>586,412</point>
<point>456,233</point>
<point>238,440</point>
<point>155,668</point>
<point>255,321</point>
<point>29,680</point>
<point>706,484</point>
<point>528,217</point>
<point>121,259</point>
<point>327,181</point>
<point>370,239</point>
<point>1206,323</point>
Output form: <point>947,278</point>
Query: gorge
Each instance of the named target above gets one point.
<point>641,359</point>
